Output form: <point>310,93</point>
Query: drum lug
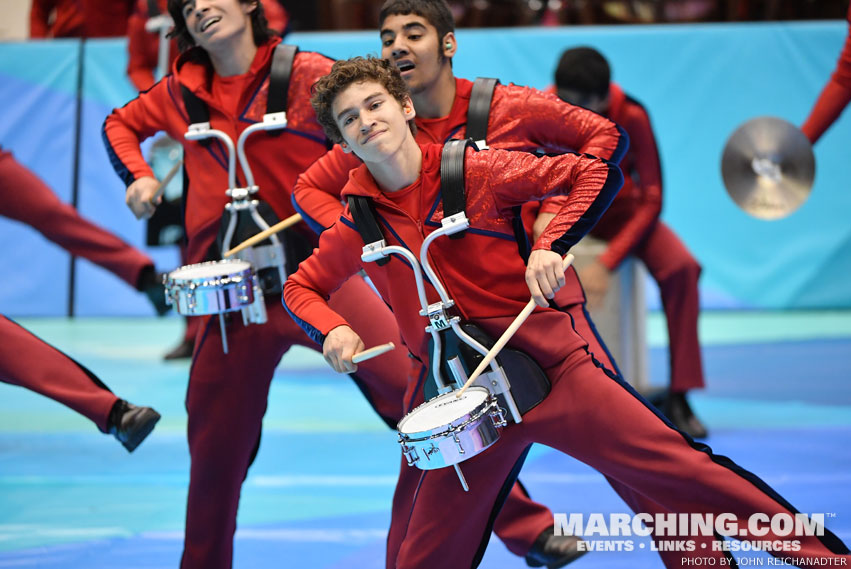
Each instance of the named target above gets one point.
<point>243,291</point>
<point>255,313</point>
<point>498,417</point>
<point>410,454</point>
<point>458,443</point>
<point>190,297</point>
<point>170,296</point>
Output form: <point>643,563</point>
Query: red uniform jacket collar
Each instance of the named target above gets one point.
<point>361,182</point>
<point>197,76</point>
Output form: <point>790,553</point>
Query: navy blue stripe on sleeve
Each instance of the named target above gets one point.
<point>314,333</point>
<point>119,167</point>
<point>598,207</point>
<point>623,146</point>
<point>312,223</point>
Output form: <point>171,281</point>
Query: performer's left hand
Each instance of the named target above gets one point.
<point>544,275</point>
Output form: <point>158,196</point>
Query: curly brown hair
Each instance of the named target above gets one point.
<point>347,72</point>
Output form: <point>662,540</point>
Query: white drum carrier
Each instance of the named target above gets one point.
<point>219,287</point>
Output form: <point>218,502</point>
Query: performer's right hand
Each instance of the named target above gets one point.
<point>340,345</point>
<point>142,197</point>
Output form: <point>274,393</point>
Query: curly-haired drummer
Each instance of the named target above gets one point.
<point>418,36</point>
<point>363,104</point>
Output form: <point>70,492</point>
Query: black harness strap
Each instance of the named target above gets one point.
<point>452,179</point>
<point>479,109</point>
<point>153,9</point>
<point>196,109</point>
<point>363,212</point>
<point>279,78</point>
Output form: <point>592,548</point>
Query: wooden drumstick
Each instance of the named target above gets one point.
<point>506,336</point>
<point>372,352</point>
<point>254,239</point>
<point>161,188</point>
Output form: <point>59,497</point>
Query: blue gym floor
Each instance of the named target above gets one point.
<point>778,402</point>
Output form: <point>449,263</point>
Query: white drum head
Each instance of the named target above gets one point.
<point>442,410</point>
<point>209,270</point>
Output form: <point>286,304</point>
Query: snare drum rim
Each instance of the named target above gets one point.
<point>474,415</point>
<point>235,277</point>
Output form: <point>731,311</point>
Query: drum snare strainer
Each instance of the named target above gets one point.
<point>447,430</point>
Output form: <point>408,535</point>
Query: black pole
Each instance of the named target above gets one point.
<point>75,181</point>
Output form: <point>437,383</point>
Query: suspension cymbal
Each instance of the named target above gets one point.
<point>768,167</point>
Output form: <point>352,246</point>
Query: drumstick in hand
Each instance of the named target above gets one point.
<point>506,336</point>
<point>254,239</point>
<point>161,188</point>
<point>372,352</point>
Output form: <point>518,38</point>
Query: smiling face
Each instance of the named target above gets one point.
<point>374,124</point>
<point>409,41</point>
<point>214,24</point>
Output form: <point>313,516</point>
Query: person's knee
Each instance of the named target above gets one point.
<point>685,272</point>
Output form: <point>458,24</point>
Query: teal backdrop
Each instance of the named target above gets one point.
<point>699,83</point>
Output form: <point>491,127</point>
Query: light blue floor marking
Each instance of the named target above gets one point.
<point>318,495</point>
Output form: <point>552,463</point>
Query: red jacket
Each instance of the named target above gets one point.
<point>143,46</point>
<point>68,21</point>
<point>521,118</point>
<point>482,272</point>
<point>275,161</point>
<point>79,18</point>
<point>639,203</point>
<point>834,97</point>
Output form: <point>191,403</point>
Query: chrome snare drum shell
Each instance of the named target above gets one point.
<point>213,287</point>
<point>434,436</point>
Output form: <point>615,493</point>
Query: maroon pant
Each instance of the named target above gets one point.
<point>676,272</point>
<point>226,401</point>
<point>31,363</point>
<point>598,419</point>
<point>521,519</point>
<point>27,199</point>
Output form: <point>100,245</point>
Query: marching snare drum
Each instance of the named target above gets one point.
<point>447,430</point>
<point>214,287</point>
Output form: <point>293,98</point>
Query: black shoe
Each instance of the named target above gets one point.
<point>183,350</point>
<point>554,551</point>
<point>151,283</point>
<point>130,424</point>
<point>679,412</point>
<point>657,396</point>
